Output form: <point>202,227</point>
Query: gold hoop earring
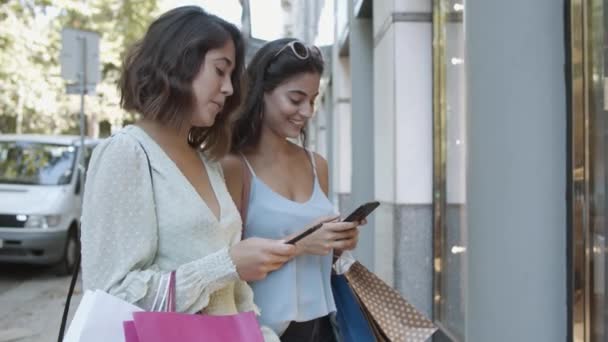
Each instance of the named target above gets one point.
<point>190,138</point>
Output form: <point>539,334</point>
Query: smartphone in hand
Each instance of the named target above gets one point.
<point>358,215</point>
<point>304,234</point>
<point>362,212</point>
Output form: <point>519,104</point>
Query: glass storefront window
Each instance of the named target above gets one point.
<point>589,136</point>
<point>450,167</point>
<point>598,147</point>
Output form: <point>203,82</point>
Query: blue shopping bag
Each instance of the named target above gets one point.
<point>352,324</point>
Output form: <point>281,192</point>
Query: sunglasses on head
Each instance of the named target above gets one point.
<point>299,49</point>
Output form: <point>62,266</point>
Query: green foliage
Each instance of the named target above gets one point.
<point>30,44</point>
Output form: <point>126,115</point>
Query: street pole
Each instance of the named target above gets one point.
<point>83,91</point>
<point>80,68</point>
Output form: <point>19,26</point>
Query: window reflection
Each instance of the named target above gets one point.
<point>597,171</point>
<point>35,163</point>
<point>589,172</point>
<point>451,267</point>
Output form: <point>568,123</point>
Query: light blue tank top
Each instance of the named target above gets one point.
<point>300,290</point>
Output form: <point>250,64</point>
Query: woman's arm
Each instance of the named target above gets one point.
<point>322,173</point>
<point>233,168</point>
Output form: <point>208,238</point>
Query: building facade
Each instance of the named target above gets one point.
<point>480,126</point>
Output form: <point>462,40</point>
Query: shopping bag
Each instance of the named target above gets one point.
<point>394,318</point>
<point>99,318</point>
<point>169,326</point>
<point>130,331</point>
<point>352,324</point>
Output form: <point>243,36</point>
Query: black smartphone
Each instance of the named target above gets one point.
<point>305,234</point>
<point>359,214</point>
<point>362,212</point>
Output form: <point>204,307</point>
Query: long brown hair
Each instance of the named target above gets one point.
<point>265,72</point>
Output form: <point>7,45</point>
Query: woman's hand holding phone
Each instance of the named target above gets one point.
<point>328,235</point>
<point>255,257</point>
<point>332,235</point>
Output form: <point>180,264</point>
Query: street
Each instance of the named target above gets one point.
<point>31,303</point>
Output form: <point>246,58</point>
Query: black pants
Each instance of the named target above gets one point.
<point>317,330</point>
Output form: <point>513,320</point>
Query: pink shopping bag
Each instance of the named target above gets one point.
<point>171,326</point>
<point>130,331</point>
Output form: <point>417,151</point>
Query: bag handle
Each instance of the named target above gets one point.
<point>66,308</point>
<point>171,296</point>
<point>167,303</point>
<point>156,305</point>
<point>245,191</point>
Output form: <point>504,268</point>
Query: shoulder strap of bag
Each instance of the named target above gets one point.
<point>66,308</point>
<point>245,191</point>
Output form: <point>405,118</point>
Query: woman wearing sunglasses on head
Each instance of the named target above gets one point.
<point>287,189</point>
<point>155,198</point>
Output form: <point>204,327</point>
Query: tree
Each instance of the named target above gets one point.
<point>33,92</point>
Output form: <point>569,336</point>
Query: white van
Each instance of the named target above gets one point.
<point>40,198</point>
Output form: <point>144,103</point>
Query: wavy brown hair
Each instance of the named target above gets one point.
<point>158,71</point>
<point>265,72</point>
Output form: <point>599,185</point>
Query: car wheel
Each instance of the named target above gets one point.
<point>71,253</point>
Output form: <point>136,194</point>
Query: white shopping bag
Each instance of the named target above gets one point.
<point>99,318</point>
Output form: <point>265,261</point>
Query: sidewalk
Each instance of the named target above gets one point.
<point>31,311</point>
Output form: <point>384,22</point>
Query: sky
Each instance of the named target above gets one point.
<point>267,16</point>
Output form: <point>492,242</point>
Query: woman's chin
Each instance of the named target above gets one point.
<point>203,121</point>
<point>293,132</point>
<point>292,135</point>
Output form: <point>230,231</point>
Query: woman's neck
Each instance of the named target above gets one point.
<point>272,146</point>
<point>167,135</point>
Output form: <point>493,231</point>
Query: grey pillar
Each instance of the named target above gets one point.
<point>517,161</point>
<point>362,104</point>
<point>329,135</point>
